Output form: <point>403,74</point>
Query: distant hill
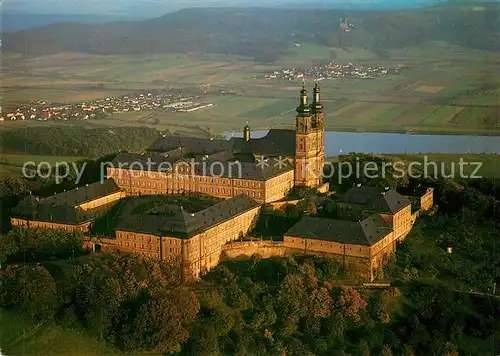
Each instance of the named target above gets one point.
<point>265,34</point>
<point>13,21</point>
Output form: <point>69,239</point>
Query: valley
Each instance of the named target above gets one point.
<point>444,89</point>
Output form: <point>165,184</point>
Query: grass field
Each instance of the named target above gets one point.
<point>19,159</point>
<point>20,337</point>
<point>445,88</point>
<point>489,164</point>
<point>11,164</point>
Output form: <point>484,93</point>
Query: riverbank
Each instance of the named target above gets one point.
<point>342,142</point>
<point>397,130</point>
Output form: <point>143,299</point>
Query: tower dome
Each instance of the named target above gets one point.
<point>246,133</point>
<point>316,104</point>
<point>303,108</point>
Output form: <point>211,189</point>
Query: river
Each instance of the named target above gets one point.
<point>338,143</point>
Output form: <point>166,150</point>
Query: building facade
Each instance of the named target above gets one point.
<point>192,240</point>
<point>72,210</point>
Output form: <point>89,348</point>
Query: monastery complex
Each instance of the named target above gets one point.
<point>245,174</point>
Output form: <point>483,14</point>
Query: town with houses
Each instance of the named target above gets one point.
<point>333,70</point>
<point>101,108</point>
<point>170,102</point>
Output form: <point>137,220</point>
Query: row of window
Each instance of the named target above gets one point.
<point>139,237</point>
<point>207,190</point>
<point>203,179</point>
<point>147,247</point>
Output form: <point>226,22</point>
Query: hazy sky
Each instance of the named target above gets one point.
<point>131,6</point>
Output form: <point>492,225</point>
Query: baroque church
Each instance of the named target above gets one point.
<point>265,168</point>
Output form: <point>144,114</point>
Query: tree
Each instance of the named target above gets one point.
<point>386,351</point>
<point>292,298</point>
<point>350,303</point>
<point>30,289</point>
<point>8,247</point>
<point>98,298</point>
<point>363,348</point>
<point>163,321</point>
<point>307,207</point>
<point>39,244</point>
<point>320,303</point>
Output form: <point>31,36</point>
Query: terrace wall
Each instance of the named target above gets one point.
<point>355,259</point>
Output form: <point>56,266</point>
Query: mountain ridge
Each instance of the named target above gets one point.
<point>264,34</point>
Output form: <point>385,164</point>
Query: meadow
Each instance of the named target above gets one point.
<point>444,88</point>
<point>20,337</point>
<point>448,164</point>
<point>11,164</point>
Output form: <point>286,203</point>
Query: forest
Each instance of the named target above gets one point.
<point>76,141</point>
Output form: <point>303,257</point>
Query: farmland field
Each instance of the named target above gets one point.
<point>444,88</point>
<point>432,89</point>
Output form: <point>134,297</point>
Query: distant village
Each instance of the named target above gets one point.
<point>101,108</point>
<point>332,70</point>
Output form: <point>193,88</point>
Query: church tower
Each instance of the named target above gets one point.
<point>309,141</point>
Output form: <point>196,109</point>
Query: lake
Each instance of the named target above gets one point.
<point>338,143</point>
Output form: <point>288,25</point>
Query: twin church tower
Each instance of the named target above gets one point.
<point>309,144</point>
<point>309,141</point>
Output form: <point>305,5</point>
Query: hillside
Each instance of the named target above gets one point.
<point>12,21</point>
<point>67,140</point>
<point>265,34</point>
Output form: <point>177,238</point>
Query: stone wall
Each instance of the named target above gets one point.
<point>355,266</point>
<point>263,249</point>
<point>281,204</point>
